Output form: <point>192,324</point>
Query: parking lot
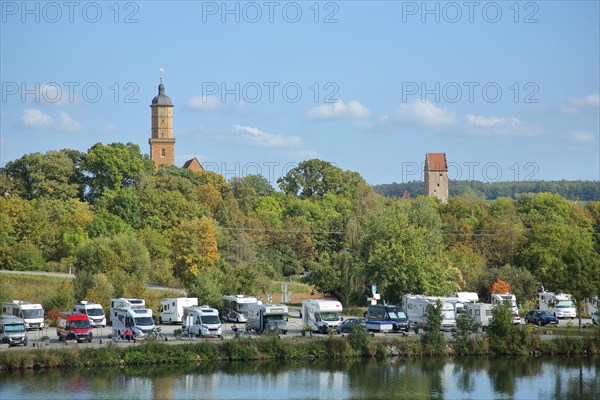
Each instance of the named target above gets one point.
<point>102,336</point>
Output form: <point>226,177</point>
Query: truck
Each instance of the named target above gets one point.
<point>94,311</point>
<point>415,307</point>
<point>481,313</point>
<point>31,313</point>
<point>171,309</point>
<point>267,317</point>
<point>201,321</point>
<point>12,330</point>
<point>71,325</point>
<point>386,313</point>
<point>561,305</point>
<point>512,299</point>
<point>322,315</point>
<point>132,322</point>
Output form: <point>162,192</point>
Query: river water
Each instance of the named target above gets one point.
<point>476,378</point>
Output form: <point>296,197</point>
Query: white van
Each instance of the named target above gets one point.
<point>31,313</point>
<point>322,315</point>
<point>202,321</point>
<point>171,309</point>
<point>95,313</point>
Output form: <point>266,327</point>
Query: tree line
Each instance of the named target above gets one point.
<point>119,223</point>
<point>572,190</point>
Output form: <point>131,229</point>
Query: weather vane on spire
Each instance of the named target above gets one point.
<point>161,74</point>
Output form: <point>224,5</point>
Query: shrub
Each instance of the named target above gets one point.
<point>433,340</point>
<point>464,326</point>
<point>358,337</point>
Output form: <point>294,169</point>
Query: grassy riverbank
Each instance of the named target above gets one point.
<point>269,348</point>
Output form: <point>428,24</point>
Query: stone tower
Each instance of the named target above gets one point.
<point>162,142</point>
<point>436,176</point>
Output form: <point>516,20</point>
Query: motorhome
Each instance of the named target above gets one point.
<point>31,313</point>
<point>560,305</point>
<point>512,299</point>
<point>466,297</point>
<point>235,307</point>
<point>201,321</point>
<point>481,313</point>
<point>171,309</point>
<point>387,313</point>
<point>122,303</point>
<point>457,303</point>
<point>136,320</point>
<point>12,330</point>
<point>95,313</point>
<point>71,325</point>
<point>322,315</point>
<point>415,307</point>
<point>267,317</point>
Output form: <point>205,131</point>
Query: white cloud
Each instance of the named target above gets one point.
<point>205,103</point>
<point>578,104</point>
<point>256,137</point>
<point>581,137</point>
<point>339,110</point>
<point>66,123</point>
<point>502,126</point>
<point>34,118</point>
<point>426,113</point>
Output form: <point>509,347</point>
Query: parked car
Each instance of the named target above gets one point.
<point>596,317</point>
<point>350,322</point>
<point>540,318</point>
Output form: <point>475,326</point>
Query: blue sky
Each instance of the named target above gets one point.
<point>508,90</point>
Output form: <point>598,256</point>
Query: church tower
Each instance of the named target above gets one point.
<point>162,142</point>
<point>436,176</point>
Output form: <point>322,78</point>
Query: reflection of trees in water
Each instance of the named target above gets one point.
<point>503,372</point>
<point>576,378</point>
<point>397,379</point>
<point>466,369</point>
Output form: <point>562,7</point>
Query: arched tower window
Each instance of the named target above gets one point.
<point>163,153</point>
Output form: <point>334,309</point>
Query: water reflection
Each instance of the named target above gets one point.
<point>469,378</point>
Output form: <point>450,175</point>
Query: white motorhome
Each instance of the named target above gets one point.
<point>560,305</point>
<point>136,320</point>
<point>12,330</point>
<point>95,313</point>
<point>267,317</point>
<point>501,298</point>
<point>481,313</point>
<point>466,297</point>
<point>171,309</point>
<point>201,321</point>
<point>415,307</point>
<point>31,313</point>
<point>235,307</point>
<point>322,315</point>
<point>456,302</point>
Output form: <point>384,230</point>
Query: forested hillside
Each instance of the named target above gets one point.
<point>572,190</point>
<point>119,224</point>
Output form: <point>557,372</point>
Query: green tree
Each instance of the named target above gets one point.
<point>462,333</point>
<point>433,340</point>
<point>50,175</point>
<point>316,177</point>
<point>114,166</point>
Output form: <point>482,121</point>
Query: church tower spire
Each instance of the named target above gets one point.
<point>162,142</point>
